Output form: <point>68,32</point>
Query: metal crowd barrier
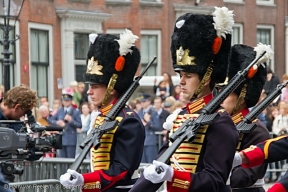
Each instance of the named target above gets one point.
<point>43,175</point>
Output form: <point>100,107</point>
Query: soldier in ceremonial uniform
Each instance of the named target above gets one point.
<point>111,65</point>
<point>268,151</point>
<point>200,49</point>
<point>237,104</point>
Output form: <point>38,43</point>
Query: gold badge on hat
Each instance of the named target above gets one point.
<point>93,67</point>
<point>183,57</point>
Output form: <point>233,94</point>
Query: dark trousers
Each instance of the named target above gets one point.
<point>67,152</point>
<point>149,154</point>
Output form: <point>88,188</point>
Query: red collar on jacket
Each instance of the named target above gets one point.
<point>105,110</point>
<point>238,117</point>
<point>199,103</point>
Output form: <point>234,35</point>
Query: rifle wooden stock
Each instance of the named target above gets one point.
<point>94,136</point>
<point>206,117</point>
<point>245,126</point>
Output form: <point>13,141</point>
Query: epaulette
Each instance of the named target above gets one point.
<point>127,112</point>
<point>221,110</point>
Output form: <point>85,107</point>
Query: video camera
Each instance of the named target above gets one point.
<point>13,145</point>
<point>26,144</point>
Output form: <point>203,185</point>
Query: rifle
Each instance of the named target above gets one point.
<point>93,139</point>
<point>245,125</point>
<point>190,126</point>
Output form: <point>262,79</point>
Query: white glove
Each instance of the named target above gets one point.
<point>77,180</point>
<point>151,174</point>
<point>237,160</point>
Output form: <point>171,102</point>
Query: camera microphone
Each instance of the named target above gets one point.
<point>39,128</point>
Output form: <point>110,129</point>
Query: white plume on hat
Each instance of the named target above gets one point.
<point>126,41</point>
<point>92,37</point>
<point>223,21</point>
<point>180,23</point>
<point>267,56</point>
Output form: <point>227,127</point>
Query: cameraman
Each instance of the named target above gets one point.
<point>15,103</point>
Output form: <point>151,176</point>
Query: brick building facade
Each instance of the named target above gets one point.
<point>54,34</point>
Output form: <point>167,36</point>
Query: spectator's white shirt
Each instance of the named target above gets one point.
<point>94,114</point>
<point>279,123</point>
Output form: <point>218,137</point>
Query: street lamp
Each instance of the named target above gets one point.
<point>9,9</point>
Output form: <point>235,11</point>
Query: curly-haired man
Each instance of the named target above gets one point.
<point>15,103</point>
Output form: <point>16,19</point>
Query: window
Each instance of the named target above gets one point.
<point>81,47</point>
<point>265,35</point>
<point>116,32</point>
<point>39,46</point>
<point>234,1</point>
<point>148,51</point>
<point>265,2</point>
<point>150,47</point>
<point>237,34</point>
<point>156,3</point>
<point>12,58</point>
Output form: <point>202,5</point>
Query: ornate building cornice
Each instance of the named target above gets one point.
<point>79,14</point>
<point>180,9</point>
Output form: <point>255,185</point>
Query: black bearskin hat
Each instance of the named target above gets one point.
<point>241,57</point>
<point>199,40</point>
<point>109,55</point>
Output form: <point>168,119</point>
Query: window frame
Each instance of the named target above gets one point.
<point>79,62</point>
<point>85,56</point>
<point>240,26</point>
<point>115,31</point>
<point>234,1</point>
<point>271,28</point>
<point>50,70</point>
<point>158,34</point>
<point>265,2</point>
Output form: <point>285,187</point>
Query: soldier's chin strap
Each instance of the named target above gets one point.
<point>240,98</point>
<point>205,78</point>
<point>110,88</point>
